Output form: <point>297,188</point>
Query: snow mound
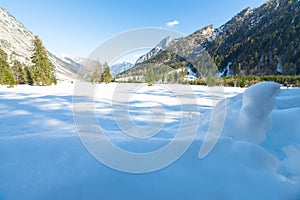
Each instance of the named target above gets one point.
<point>250,120</point>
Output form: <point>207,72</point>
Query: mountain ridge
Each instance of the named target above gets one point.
<point>243,45</point>
<point>16,41</point>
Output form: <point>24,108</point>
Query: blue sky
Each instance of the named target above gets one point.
<point>77,27</point>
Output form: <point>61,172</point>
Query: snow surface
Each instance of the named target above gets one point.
<point>256,157</point>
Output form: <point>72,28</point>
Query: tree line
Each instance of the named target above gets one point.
<point>101,73</point>
<point>246,81</point>
<point>151,73</point>
<point>40,72</point>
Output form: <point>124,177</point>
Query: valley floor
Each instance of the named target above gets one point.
<point>43,157</point>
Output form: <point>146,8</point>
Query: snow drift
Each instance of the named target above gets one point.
<point>250,121</point>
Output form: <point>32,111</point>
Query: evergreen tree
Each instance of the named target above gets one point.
<point>134,80</point>
<point>27,76</point>
<point>6,78</point>
<point>150,77</point>
<point>42,69</point>
<point>243,82</point>
<point>182,75</point>
<point>18,72</point>
<point>3,64</point>
<point>106,77</point>
<point>97,74</point>
<point>210,80</point>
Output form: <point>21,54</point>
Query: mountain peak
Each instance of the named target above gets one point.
<point>165,42</point>
<point>162,45</point>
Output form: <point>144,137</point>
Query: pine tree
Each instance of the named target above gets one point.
<point>28,77</point>
<point>182,75</point>
<point>3,65</point>
<point>6,78</point>
<point>210,80</point>
<point>97,74</point>
<point>42,69</point>
<point>106,76</point>
<point>243,82</point>
<point>18,72</point>
<point>150,77</point>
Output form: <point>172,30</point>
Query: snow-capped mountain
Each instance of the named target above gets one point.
<point>85,66</point>
<point>120,67</point>
<point>16,41</point>
<point>87,63</point>
<point>72,59</point>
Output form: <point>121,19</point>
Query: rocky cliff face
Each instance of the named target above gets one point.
<point>184,47</point>
<point>16,41</point>
<point>165,43</point>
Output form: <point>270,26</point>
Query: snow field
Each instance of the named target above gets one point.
<point>256,157</point>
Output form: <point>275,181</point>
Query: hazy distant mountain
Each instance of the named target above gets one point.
<point>120,67</point>
<point>16,41</point>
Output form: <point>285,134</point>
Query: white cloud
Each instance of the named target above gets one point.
<point>172,23</point>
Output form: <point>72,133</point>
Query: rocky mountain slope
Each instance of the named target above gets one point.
<point>260,41</point>
<point>182,52</point>
<point>16,41</point>
<point>164,44</point>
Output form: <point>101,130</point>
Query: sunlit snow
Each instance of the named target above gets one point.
<point>256,157</point>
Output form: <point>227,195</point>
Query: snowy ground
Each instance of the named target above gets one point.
<point>256,157</point>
